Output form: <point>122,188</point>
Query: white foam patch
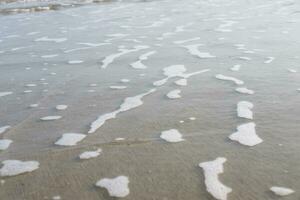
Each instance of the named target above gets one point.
<point>4,129</point>
<point>281,191</point>
<point>109,59</point>
<point>174,94</point>
<point>245,58</point>
<point>138,65</point>
<point>56,198</point>
<point>90,154</point>
<point>292,70</point>
<point>70,139</point>
<point>181,82</point>
<point>2,94</point>
<point>193,49</point>
<point>228,78</point>
<point>125,80</point>
<point>172,135</point>
<point>61,107</point>
<point>269,60</point>
<point>73,62</point>
<point>244,109</point>
<point>176,71</point>
<point>118,87</point>
<point>76,49</point>
<point>235,68</point>
<point>244,90</point>
<point>30,85</point>
<point>187,40</point>
<point>27,91</point>
<point>128,103</point>
<point>16,167</point>
<point>50,118</point>
<point>50,56</point>
<point>5,143</point>
<point>47,39</point>
<point>92,44</point>
<point>212,169</point>
<point>116,187</point>
<point>33,105</point>
<point>246,135</point>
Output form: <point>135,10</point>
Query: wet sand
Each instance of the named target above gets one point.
<point>62,53</point>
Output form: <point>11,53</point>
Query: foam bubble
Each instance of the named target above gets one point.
<point>181,82</point>
<point>235,68</point>
<point>246,135</point>
<point>193,49</point>
<point>124,80</point>
<point>16,167</point>
<point>174,94</point>
<point>269,60</point>
<point>2,94</point>
<point>176,71</point>
<point>116,187</point>
<point>292,70</point>
<point>4,129</point>
<point>5,143</point>
<point>109,59</point>
<point>187,40</point>
<point>50,118</point>
<point>75,61</point>
<point>118,87</point>
<point>212,169</point>
<point>281,191</point>
<point>70,139</point>
<point>244,90</point>
<point>47,39</point>
<point>172,135</point>
<point>128,103</point>
<point>90,154</point>
<point>228,78</point>
<point>244,109</point>
<point>61,107</point>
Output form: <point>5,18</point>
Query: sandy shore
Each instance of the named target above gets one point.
<point>128,71</point>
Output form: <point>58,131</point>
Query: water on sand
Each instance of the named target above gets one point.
<point>231,69</point>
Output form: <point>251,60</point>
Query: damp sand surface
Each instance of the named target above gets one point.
<point>83,98</point>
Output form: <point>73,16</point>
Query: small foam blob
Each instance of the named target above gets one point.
<point>174,94</point>
<point>228,78</point>
<point>16,167</point>
<point>70,139</point>
<point>90,154</point>
<point>172,135</point>
<point>235,68</point>
<point>4,129</point>
<point>2,94</point>
<point>193,50</point>
<point>244,90</point>
<point>244,109</point>
<point>181,82</point>
<point>212,169</point>
<point>246,135</point>
<point>5,143</point>
<point>73,62</point>
<point>292,70</point>
<point>116,187</point>
<point>118,87</point>
<point>281,191</point>
<point>61,107</point>
<point>51,118</point>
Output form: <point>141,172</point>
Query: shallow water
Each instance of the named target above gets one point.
<point>56,58</point>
